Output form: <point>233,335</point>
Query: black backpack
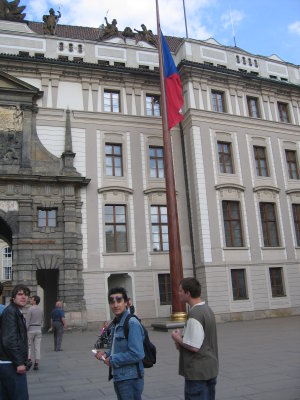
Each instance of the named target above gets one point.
<point>149,348</point>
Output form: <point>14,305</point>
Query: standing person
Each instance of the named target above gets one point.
<point>126,355</point>
<point>34,322</point>
<point>130,306</point>
<point>2,306</point>
<point>198,347</point>
<point>14,347</point>
<point>58,324</point>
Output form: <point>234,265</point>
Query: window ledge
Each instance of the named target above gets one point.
<point>273,248</point>
<point>159,252</point>
<point>122,254</point>
<point>242,299</point>
<point>236,248</point>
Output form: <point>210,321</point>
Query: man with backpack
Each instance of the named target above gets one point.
<point>126,354</point>
<point>198,346</point>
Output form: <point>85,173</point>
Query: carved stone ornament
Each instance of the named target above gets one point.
<point>11,119</point>
<point>11,11</point>
<point>10,148</point>
<point>8,205</point>
<point>110,30</point>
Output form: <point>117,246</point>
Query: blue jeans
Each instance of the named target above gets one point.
<point>200,390</point>
<point>13,386</point>
<point>131,389</point>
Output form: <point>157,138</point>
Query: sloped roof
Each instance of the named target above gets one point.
<point>86,33</point>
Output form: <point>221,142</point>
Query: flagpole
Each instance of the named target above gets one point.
<point>186,29</point>
<point>176,273</point>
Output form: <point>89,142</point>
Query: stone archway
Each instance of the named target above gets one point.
<point>6,239</point>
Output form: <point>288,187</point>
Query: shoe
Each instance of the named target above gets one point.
<point>36,366</point>
<point>28,365</point>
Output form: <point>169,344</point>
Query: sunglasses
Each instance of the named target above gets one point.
<point>117,299</point>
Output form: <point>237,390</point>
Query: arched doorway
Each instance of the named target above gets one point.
<point>123,280</point>
<point>6,268</point>
<point>48,280</point>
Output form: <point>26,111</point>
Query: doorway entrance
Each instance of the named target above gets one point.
<point>48,280</point>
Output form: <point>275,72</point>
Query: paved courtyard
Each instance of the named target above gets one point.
<point>259,360</point>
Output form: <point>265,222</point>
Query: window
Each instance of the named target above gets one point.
<point>165,292</point>
<point>283,112</point>
<point>253,107</point>
<point>225,157</point>
<point>260,161</point>
<point>63,58</point>
<point>46,217</point>
<point>159,223</point>
<point>156,155</point>
<point>276,282</point>
<point>152,105</point>
<point>218,101</point>
<point>115,228</point>
<point>80,48</point>
<point>232,224</point>
<point>7,263</point>
<point>111,101</point>
<point>71,48</point>
<point>296,215</point>
<point>61,46</point>
<point>292,165</point>
<point>238,281</point>
<point>269,224</point>
<point>113,159</point>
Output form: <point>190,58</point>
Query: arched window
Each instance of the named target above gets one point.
<point>7,263</point>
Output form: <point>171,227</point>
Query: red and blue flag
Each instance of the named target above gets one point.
<point>173,86</point>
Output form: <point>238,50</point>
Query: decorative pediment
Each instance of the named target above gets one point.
<point>9,82</point>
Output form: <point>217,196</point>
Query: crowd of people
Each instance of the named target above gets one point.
<point>20,338</point>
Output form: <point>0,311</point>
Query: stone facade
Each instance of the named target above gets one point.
<point>54,157</point>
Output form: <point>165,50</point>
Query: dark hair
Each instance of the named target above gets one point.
<point>37,299</point>
<point>1,288</point>
<point>191,285</point>
<point>120,290</point>
<point>19,288</point>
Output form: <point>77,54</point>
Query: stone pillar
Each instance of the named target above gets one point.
<point>70,280</point>
<point>24,271</point>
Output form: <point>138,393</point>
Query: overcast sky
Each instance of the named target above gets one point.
<point>261,27</point>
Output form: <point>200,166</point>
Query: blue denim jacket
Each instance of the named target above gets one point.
<point>127,353</point>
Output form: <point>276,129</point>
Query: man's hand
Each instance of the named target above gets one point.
<point>176,336</point>
<point>100,354</point>
<point>21,369</point>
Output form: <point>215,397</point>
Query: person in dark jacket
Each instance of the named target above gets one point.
<point>14,347</point>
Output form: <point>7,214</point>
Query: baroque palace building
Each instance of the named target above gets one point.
<point>82,189</point>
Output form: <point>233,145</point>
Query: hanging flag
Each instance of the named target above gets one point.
<point>173,86</point>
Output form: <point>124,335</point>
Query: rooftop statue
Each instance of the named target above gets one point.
<point>128,33</point>
<point>11,11</point>
<point>146,35</point>
<point>109,30</point>
<point>50,22</point>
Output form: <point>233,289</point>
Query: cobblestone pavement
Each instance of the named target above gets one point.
<point>259,360</point>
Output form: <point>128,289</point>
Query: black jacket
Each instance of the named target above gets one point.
<point>13,336</point>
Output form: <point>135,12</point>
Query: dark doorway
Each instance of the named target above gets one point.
<point>48,280</point>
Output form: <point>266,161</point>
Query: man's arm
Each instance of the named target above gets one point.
<point>176,336</point>
<point>10,340</point>
<point>193,336</point>
<point>63,320</point>
<point>135,351</point>
<point>28,318</point>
